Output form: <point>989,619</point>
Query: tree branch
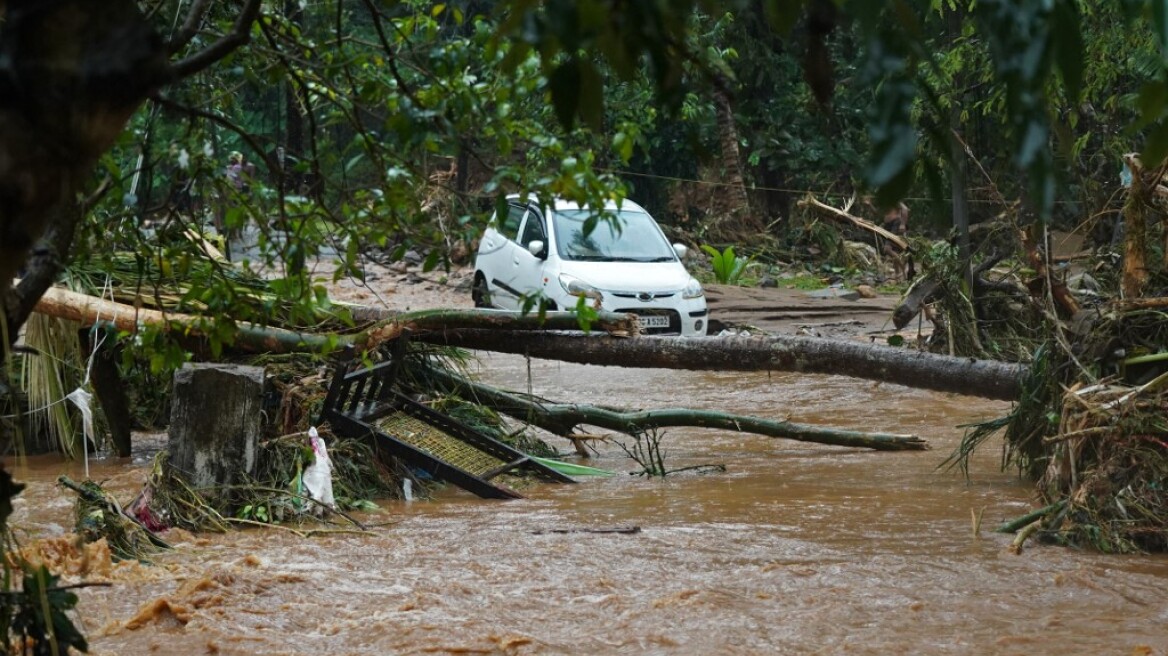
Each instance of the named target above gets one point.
<point>229,43</point>
<point>562,418</point>
<point>190,27</point>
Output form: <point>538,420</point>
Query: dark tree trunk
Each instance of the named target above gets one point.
<point>742,220</point>
<point>983,378</point>
<point>111,393</point>
<point>71,74</point>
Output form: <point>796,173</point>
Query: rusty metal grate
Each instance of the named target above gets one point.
<point>439,444</point>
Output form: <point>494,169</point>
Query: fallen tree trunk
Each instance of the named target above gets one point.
<point>495,330</point>
<point>254,338</point>
<point>983,378</point>
<point>563,418</point>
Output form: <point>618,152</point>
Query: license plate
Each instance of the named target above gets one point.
<point>654,321</point>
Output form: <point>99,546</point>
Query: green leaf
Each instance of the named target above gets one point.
<point>623,146</point>
<point>585,314</point>
<point>1152,100</point>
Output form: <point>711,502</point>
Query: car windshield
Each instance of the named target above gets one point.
<point>638,239</point>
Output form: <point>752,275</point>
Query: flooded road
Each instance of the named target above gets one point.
<point>795,549</point>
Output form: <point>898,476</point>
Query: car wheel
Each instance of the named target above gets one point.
<point>479,292</point>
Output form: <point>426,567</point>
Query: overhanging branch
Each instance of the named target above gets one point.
<point>239,35</point>
<point>190,26</point>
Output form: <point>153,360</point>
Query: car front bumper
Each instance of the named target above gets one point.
<point>663,315</point>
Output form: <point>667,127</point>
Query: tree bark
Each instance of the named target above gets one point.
<point>111,393</point>
<point>922,292</point>
<point>745,221</point>
<point>982,378</point>
<point>1135,210</point>
<point>563,418</point>
<point>511,332</point>
<point>72,72</point>
<point>252,338</point>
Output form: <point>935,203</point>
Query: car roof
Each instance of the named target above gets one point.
<point>561,204</point>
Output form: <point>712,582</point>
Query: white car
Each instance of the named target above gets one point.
<point>537,250</point>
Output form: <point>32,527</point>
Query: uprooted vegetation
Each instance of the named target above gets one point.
<point>1091,328</point>
<point>1088,426</point>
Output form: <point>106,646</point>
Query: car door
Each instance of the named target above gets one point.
<point>497,254</point>
<point>527,275</point>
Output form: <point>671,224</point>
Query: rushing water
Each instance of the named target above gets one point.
<point>795,549</point>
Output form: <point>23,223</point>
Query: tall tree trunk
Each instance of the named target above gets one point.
<point>295,102</point>
<point>743,221</point>
<point>72,73</point>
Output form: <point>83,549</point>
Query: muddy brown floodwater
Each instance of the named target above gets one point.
<point>795,549</point>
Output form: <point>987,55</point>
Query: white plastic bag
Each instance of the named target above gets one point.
<point>318,477</point>
<point>84,402</point>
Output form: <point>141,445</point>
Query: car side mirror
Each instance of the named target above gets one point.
<point>681,250</point>
<point>537,248</point>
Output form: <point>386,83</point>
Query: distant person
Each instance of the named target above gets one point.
<point>896,219</point>
<point>239,172</point>
<point>896,222</point>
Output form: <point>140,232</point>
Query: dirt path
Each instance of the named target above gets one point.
<point>783,311</point>
<point>793,311</point>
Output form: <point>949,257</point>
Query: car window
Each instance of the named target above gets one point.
<point>533,229</point>
<point>632,237</point>
<point>510,224</point>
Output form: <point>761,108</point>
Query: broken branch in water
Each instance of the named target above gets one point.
<point>562,418</point>
<point>628,530</point>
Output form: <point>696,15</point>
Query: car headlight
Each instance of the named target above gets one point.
<point>577,287</point>
<point>692,290</point>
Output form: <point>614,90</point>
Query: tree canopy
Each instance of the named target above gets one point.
<point>400,125</point>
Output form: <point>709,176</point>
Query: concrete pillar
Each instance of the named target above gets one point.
<point>215,422</point>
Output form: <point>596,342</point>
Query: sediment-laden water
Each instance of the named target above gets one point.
<point>795,549</point>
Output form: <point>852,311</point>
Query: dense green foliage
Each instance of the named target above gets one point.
<point>381,128</point>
